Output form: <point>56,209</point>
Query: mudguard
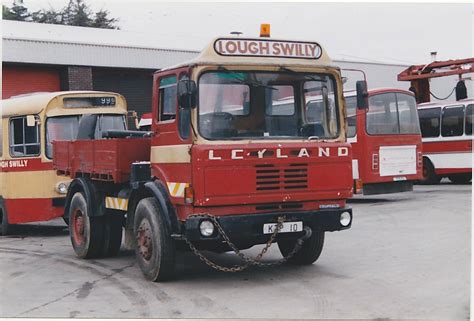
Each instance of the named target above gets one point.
<point>95,203</point>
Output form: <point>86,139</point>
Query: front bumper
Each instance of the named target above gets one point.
<point>247,230</point>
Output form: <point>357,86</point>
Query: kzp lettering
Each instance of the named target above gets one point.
<point>228,47</point>
<point>14,163</point>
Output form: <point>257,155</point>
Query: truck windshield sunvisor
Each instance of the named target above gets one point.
<point>267,105</point>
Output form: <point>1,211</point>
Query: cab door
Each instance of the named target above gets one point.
<point>171,143</point>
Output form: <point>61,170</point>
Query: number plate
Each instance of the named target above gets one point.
<point>288,227</point>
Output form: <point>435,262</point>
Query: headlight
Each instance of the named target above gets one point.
<point>207,228</point>
<point>345,219</point>
<point>62,188</point>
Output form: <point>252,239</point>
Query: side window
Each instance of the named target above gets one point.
<point>452,121</point>
<point>469,119</point>
<point>351,110</point>
<point>281,102</point>
<point>429,122</point>
<point>24,140</point>
<point>167,98</point>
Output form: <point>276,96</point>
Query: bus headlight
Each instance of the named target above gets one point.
<point>61,187</point>
<point>345,219</point>
<point>207,228</point>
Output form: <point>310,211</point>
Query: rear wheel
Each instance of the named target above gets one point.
<point>155,250</point>
<point>429,174</point>
<point>85,231</point>
<point>460,178</point>
<point>5,227</point>
<point>309,252</point>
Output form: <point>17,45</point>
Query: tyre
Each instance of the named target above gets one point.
<point>155,250</point>
<point>5,227</point>
<point>112,238</point>
<point>460,178</point>
<point>85,231</point>
<point>429,174</point>
<point>309,252</point>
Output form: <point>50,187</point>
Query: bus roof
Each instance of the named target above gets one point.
<point>35,103</point>
<point>260,51</point>
<point>380,90</point>
<point>446,103</point>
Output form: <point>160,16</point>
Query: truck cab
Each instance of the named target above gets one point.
<point>248,146</point>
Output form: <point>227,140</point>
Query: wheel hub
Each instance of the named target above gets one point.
<point>78,227</point>
<point>145,244</point>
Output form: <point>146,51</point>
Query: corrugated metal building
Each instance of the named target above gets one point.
<point>43,57</point>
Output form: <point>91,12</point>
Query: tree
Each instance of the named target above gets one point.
<point>102,20</point>
<point>75,13</point>
<point>18,11</point>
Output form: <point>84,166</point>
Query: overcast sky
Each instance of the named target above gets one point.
<point>379,32</point>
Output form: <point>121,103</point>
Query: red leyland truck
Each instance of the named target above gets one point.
<point>247,147</point>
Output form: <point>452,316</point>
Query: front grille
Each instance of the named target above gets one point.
<point>281,177</point>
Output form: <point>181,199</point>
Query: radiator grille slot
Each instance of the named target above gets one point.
<point>283,206</point>
<point>281,177</point>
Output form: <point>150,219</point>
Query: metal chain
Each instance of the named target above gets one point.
<point>248,260</point>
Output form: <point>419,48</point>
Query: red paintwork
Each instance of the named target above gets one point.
<point>26,210</point>
<point>25,165</point>
<point>18,80</point>
<point>442,147</point>
<point>448,171</point>
<point>456,67</point>
<point>232,182</point>
<point>367,145</point>
<point>105,159</point>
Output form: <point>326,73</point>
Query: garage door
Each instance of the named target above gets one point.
<point>18,80</point>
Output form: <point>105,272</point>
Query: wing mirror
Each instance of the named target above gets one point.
<point>362,94</point>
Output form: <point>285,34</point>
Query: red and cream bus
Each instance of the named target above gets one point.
<point>30,190</point>
<point>386,141</point>
<point>447,141</point>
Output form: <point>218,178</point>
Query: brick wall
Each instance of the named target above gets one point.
<point>79,78</point>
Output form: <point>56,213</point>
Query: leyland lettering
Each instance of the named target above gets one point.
<point>300,153</point>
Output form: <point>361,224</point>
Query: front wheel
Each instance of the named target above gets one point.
<point>429,174</point>
<point>5,227</point>
<point>155,249</point>
<point>85,231</point>
<point>309,252</point>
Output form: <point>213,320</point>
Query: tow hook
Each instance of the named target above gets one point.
<point>308,232</point>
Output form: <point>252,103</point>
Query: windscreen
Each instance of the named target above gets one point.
<point>66,128</point>
<point>267,105</point>
<point>392,113</point>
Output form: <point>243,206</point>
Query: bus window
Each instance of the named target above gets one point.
<point>282,101</point>
<point>382,117</point>
<point>407,115</point>
<point>429,122</point>
<point>452,121</point>
<point>108,122</point>
<point>469,117</point>
<point>167,98</point>
<point>351,109</point>
<point>24,140</point>
<point>60,128</point>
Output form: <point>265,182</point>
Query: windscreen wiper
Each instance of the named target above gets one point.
<point>307,77</point>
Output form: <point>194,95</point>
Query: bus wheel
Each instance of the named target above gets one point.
<point>155,249</point>
<point>85,231</point>
<point>309,252</point>
<point>460,178</point>
<point>5,227</point>
<point>112,234</point>
<point>429,174</point>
